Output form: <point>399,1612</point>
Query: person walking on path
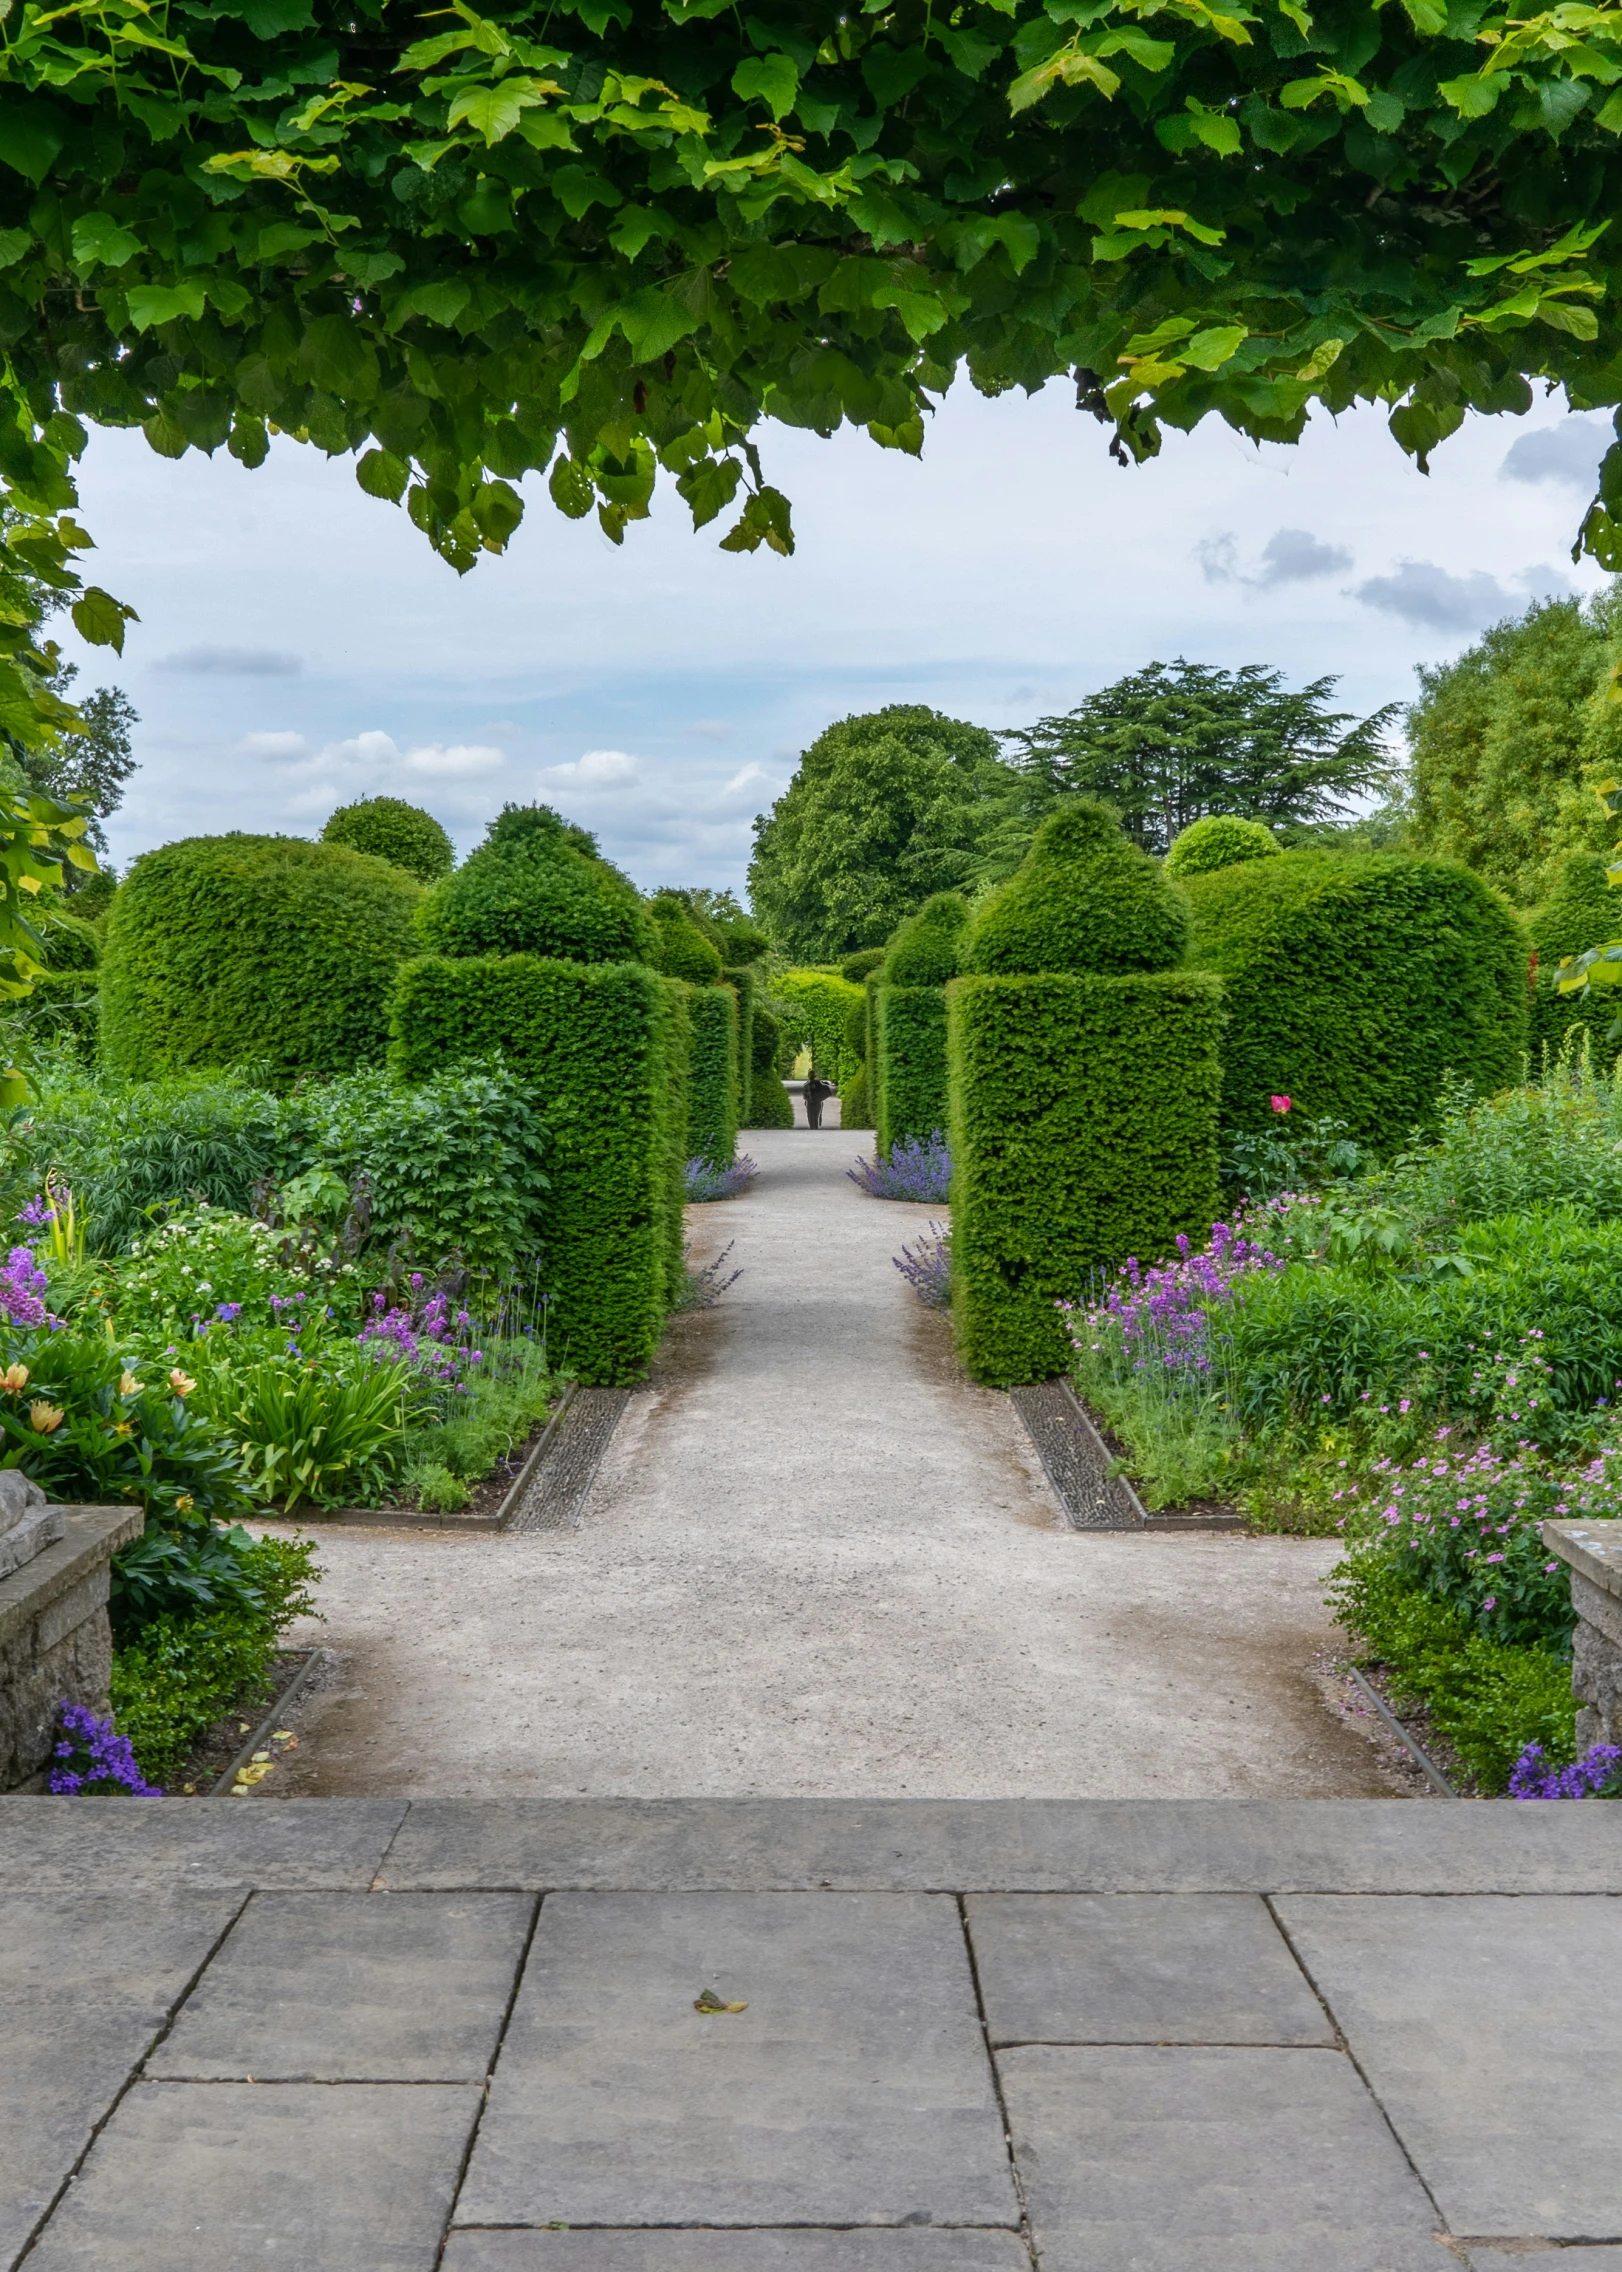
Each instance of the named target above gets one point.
<point>817,1092</point>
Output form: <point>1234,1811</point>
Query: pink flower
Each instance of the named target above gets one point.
<point>1280,1104</point>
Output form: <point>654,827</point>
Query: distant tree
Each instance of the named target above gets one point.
<point>724,918</point>
<point>1171,744</point>
<point>93,765</point>
<point>1505,738</point>
<point>884,810</point>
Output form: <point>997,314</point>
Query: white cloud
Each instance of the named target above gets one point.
<point>1568,454</point>
<point>1420,592</point>
<point>282,749</point>
<point>230,662</point>
<point>460,759</point>
<point>598,769</point>
<point>745,779</point>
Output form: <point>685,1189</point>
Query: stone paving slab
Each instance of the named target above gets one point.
<point>322,1987</point>
<point>1489,2033</point>
<point>1013,1845</point>
<point>1212,2160</point>
<point>710,2251</point>
<point>86,1982</point>
<point>854,2090</point>
<point>1139,1968</point>
<point>208,1843</point>
<point>1557,2260</point>
<point>232,2177</point>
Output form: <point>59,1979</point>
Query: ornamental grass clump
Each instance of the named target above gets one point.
<point>918,1168</point>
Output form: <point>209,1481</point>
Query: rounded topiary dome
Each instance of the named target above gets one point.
<point>927,947</point>
<point>861,964</point>
<point>1085,900</point>
<point>224,950</point>
<point>681,949</point>
<point>1221,840</point>
<point>535,886</point>
<point>390,829</point>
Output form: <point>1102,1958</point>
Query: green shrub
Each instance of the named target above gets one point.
<point>390,829</point>
<point>601,1049</point>
<point>1355,983</point>
<point>855,1109</point>
<point>1085,899</point>
<point>65,1006</point>
<point>821,1001</point>
<point>1582,912</point>
<point>179,1674</point>
<point>858,966</point>
<point>70,942</point>
<point>770,1105</point>
<point>95,895</point>
<point>1083,1129</point>
<point>744,981</point>
<point>535,886</point>
<point>1487,1699</point>
<point>927,949</point>
<point>910,1024</point>
<point>712,1103</point>
<point>327,1434</point>
<point>229,950</point>
<point>681,949</point>
<point>1221,840</point>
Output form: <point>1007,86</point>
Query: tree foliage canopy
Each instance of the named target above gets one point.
<point>883,811</point>
<point>1168,745</point>
<point>610,236</point>
<point>1503,739</point>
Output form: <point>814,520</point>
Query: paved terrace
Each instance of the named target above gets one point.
<point>976,2036</point>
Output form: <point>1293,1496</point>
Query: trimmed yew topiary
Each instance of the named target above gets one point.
<point>927,947</point>
<point>390,829</point>
<point>1221,840</point>
<point>537,886</point>
<point>1084,900</point>
<point>1582,911</point>
<point>270,950</point>
<point>681,949</point>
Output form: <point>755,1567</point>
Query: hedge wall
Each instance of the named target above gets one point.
<point>769,1103</point>
<point>1083,1129</point>
<point>226,950</point>
<point>823,1001</point>
<point>911,1029</point>
<point>1581,912</point>
<point>745,983</point>
<point>712,1108</point>
<point>1355,982</point>
<point>604,1046</point>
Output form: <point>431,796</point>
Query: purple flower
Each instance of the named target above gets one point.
<point>21,1285</point>
<point>228,1312</point>
<point>92,1759</point>
<point>918,1168</point>
<point>1595,1776</point>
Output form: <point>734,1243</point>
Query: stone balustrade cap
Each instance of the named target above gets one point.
<point>1593,1548</point>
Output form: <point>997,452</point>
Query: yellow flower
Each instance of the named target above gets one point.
<point>128,1385</point>
<point>185,1503</point>
<point>14,1377</point>
<point>45,1417</point>
<point>181,1383</point>
<point>125,1428</point>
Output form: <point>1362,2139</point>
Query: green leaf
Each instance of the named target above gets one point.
<point>497,510</point>
<point>381,474</point>
<point>151,304</point>
<point>165,435</point>
<point>1209,350</point>
<point>770,79</point>
<point>31,133</point>
<point>99,619</point>
<point>572,489</point>
<point>1578,321</point>
<point>1474,96</point>
<point>493,111</point>
<point>336,356</point>
<point>891,73</point>
<point>98,237</point>
<point>13,244</point>
<point>709,487</point>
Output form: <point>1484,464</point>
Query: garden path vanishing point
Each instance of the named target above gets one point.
<point>817,1561</point>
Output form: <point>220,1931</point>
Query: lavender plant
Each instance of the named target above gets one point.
<point>701,1289</point>
<point>927,1268</point>
<point>704,1179</point>
<point>918,1168</point>
<point>90,1759</point>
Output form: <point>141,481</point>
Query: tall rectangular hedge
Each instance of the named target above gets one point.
<point>909,1023</point>
<point>605,1046</point>
<point>712,1116</point>
<point>744,982</point>
<point>1083,1129</point>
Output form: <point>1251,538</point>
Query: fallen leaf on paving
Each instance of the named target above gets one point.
<point>711,2002</point>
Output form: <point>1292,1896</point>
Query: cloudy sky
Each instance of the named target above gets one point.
<point>299,646</point>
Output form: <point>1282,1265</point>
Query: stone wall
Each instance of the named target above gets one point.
<point>1592,1552</point>
<point>55,1641</point>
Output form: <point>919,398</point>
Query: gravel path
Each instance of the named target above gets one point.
<point>818,1561</point>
